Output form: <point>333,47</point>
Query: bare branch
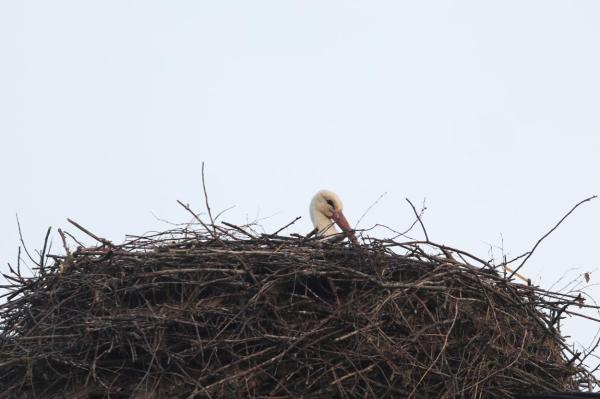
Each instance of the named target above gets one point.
<point>550,232</point>
<point>419,219</point>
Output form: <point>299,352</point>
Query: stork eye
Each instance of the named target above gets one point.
<point>330,202</point>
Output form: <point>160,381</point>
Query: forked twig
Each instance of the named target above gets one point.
<point>419,219</point>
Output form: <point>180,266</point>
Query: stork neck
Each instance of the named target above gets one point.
<point>324,225</point>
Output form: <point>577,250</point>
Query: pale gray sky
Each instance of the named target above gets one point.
<point>487,109</point>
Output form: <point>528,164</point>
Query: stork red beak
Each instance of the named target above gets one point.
<point>339,219</point>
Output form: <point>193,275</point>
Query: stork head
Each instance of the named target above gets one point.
<point>325,209</point>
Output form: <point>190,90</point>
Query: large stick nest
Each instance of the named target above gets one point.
<point>216,313</point>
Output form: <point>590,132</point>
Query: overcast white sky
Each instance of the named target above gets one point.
<point>489,110</point>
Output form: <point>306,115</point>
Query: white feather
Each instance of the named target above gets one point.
<point>321,212</point>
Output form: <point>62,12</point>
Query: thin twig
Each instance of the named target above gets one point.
<point>550,232</point>
<point>43,253</point>
<point>238,228</point>
<point>418,218</point>
<point>89,233</point>
<point>286,226</point>
<point>23,241</point>
<point>223,211</point>
<point>212,221</point>
<point>368,209</point>
<point>187,208</point>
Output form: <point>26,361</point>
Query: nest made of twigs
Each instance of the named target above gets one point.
<point>221,314</point>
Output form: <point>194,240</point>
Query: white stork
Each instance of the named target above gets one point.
<point>325,210</point>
